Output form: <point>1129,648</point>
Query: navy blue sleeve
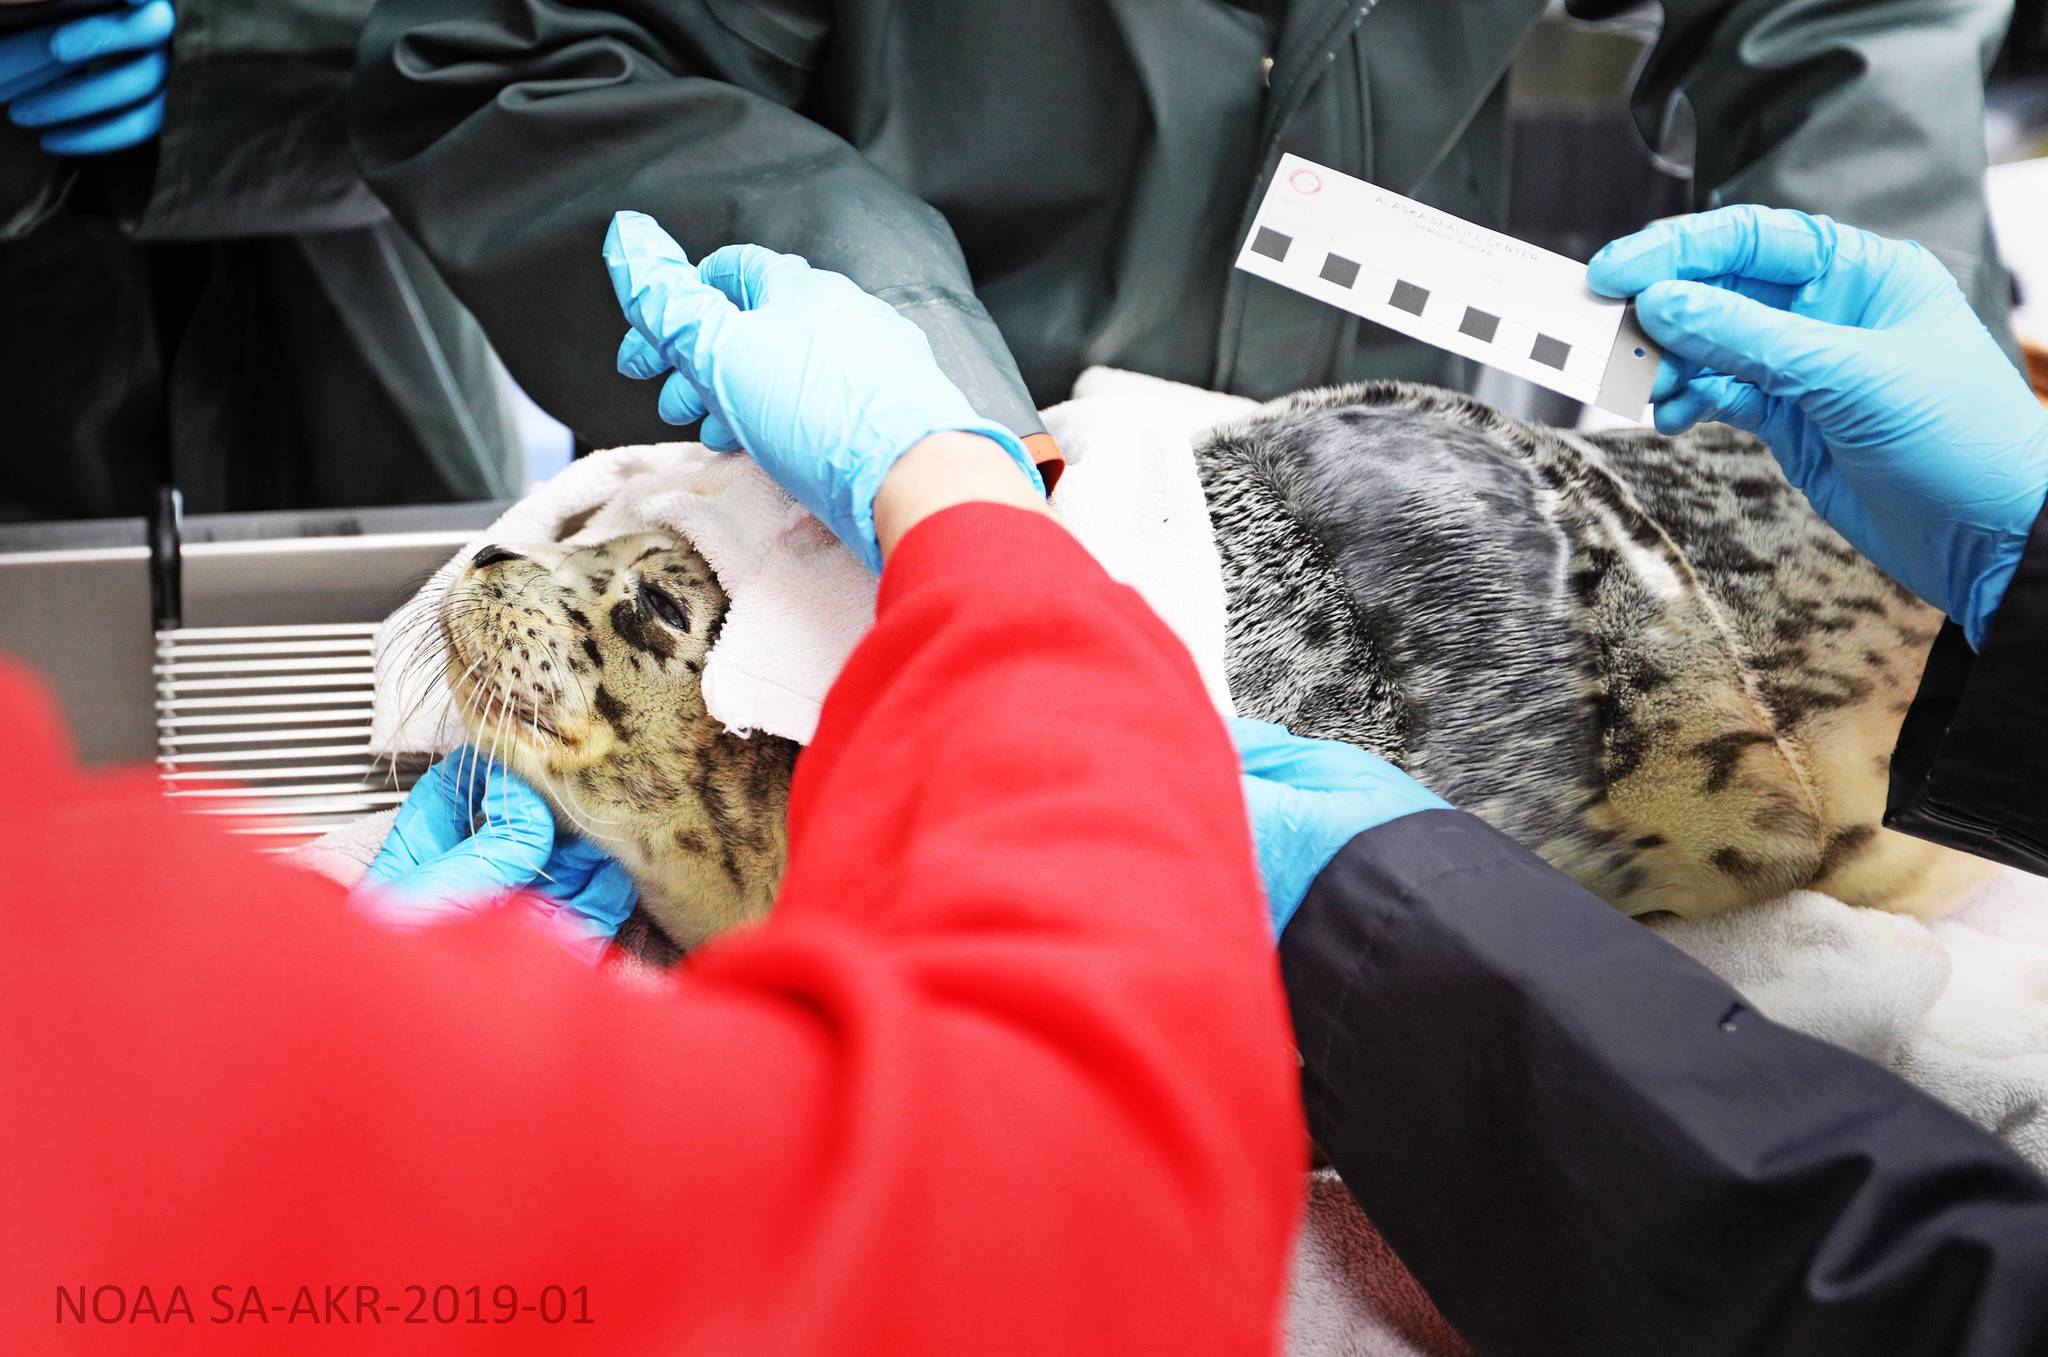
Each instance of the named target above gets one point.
<point>1582,1141</point>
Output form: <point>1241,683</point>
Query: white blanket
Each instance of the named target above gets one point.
<point>1958,1007</point>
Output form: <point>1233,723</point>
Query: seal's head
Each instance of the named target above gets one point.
<point>552,650</point>
<point>581,669</point>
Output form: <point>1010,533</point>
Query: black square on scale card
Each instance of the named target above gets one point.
<point>1271,243</point>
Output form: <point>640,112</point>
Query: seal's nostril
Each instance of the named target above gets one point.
<point>493,555</point>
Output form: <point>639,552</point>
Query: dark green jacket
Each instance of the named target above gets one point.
<point>1046,184</point>
<point>232,307</point>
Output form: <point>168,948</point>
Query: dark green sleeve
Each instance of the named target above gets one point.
<point>504,134</point>
<point>1871,112</point>
<point>255,139</point>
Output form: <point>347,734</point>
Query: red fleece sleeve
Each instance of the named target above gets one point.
<point>1006,1072</point>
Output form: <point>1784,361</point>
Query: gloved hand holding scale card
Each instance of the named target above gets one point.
<point>1447,282</point>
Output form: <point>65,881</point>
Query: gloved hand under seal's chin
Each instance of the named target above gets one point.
<point>469,836</point>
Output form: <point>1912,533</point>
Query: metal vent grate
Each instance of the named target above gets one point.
<point>269,728</point>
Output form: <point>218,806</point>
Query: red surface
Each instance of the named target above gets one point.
<point>1007,1072</point>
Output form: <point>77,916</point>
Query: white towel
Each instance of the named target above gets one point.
<point>343,854</point>
<point>1349,1295</point>
<point>800,602</point>
<point>1958,1008</point>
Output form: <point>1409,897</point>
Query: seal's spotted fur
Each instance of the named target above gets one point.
<point>579,667</point>
<point>1645,658</point>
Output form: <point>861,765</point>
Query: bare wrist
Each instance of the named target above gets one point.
<point>941,471</point>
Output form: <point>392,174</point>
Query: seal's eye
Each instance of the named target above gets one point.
<point>665,606</point>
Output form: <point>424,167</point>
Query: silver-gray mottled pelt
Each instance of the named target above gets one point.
<point>1646,658</point>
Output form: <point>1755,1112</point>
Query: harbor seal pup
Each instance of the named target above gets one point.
<point>1645,658</point>
<point>580,668</point>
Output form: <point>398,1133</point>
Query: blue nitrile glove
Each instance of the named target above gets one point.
<point>93,84</point>
<point>1308,798</point>
<point>1859,361</point>
<point>470,832</point>
<point>825,385</point>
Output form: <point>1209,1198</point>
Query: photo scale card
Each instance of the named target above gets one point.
<point>1447,282</point>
